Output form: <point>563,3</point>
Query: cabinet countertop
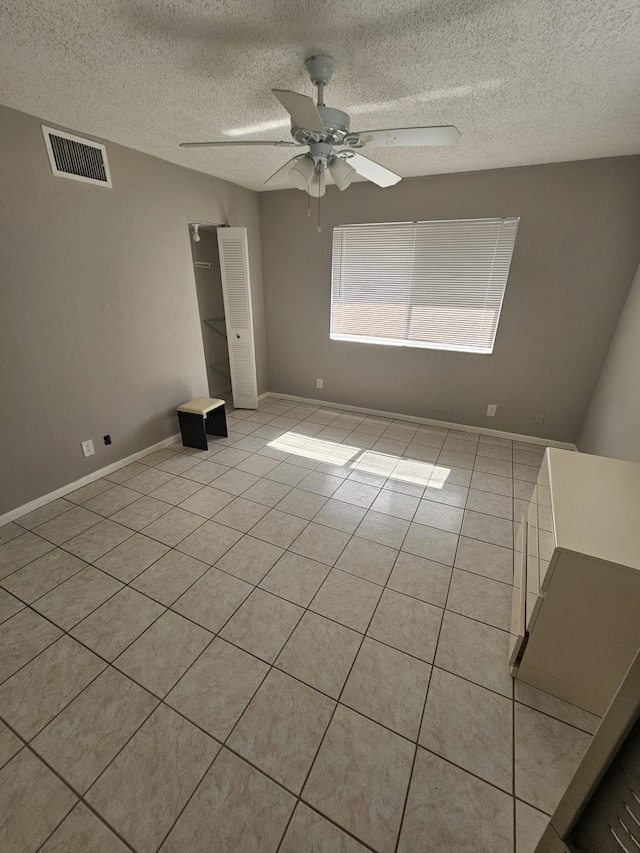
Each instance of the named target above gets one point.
<point>595,505</point>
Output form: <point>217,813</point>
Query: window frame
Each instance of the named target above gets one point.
<point>339,230</point>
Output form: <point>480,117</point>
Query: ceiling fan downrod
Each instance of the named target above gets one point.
<point>320,70</point>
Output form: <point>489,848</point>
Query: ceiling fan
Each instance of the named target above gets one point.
<point>323,129</point>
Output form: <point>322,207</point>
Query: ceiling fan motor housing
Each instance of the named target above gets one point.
<point>322,154</point>
<point>336,123</point>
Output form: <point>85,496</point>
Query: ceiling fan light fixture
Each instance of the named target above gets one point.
<point>302,172</point>
<point>321,128</point>
<point>341,172</point>
<point>317,186</point>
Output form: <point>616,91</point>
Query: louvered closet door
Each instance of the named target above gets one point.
<point>236,291</point>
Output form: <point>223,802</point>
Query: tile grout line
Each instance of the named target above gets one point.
<point>80,798</point>
<point>217,634</point>
<point>159,701</point>
<point>353,663</point>
<point>115,483</point>
<point>66,632</point>
<point>124,584</point>
<point>337,704</point>
<point>162,700</point>
<point>211,518</point>
<point>255,586</point>
<point>248,532</point>
<point>271,666</point>
<point>512,698</point>
<point>88,807</point>
<point>101,657</point>
<point>392,422</point>
<point>92,565</point>
<point>364,636</point>
<point>189,798</point>
<point>424,706</point>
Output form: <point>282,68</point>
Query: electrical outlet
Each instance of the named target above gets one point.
<point>538,418</point>
<point>492,408</point>
<point>319,383</point>
<point>87,448</point>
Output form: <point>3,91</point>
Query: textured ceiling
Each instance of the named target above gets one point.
<point>534,81</point>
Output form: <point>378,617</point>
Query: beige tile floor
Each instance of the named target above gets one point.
<point>294,641</point>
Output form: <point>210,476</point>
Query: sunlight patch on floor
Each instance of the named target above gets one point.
<point>383,464</point>
<point>376,463</point>
<point>315,448</point>
<point>439,477</point>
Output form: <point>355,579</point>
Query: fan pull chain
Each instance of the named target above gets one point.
<point>308,204</point>
<point>319,226</point>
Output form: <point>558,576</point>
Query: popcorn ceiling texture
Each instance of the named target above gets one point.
<point>526,82</point>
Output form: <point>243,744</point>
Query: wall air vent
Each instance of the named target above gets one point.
<point>73,157</point>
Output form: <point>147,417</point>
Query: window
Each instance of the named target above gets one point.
<point>438,285</point>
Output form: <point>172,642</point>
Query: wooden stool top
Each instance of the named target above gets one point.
<point>200,406</point>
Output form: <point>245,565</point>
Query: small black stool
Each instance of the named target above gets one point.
<point>199,417</point>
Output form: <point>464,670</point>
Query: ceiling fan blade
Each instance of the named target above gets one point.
<point>278,144</point>
<point>283,170</point>
<point>401,137</point>
<point>373,172</point>
<point>302,110</point>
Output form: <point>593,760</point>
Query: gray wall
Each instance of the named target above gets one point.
<point>575,257</point>
<point>612,424</point>
<point>99,324</point>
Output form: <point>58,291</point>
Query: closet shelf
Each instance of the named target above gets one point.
<point>222,367</point>
<point>218,325</point>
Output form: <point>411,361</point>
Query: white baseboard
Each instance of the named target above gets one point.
<point>83,481</point>
<point>96,475</point>
<point>512,436</point>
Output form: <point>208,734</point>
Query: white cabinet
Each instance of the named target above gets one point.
<point>576,606</point>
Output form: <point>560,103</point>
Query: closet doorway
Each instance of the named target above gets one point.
<point>206,269</point>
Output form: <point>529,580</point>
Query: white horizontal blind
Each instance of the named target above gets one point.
<point>421,284</point>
